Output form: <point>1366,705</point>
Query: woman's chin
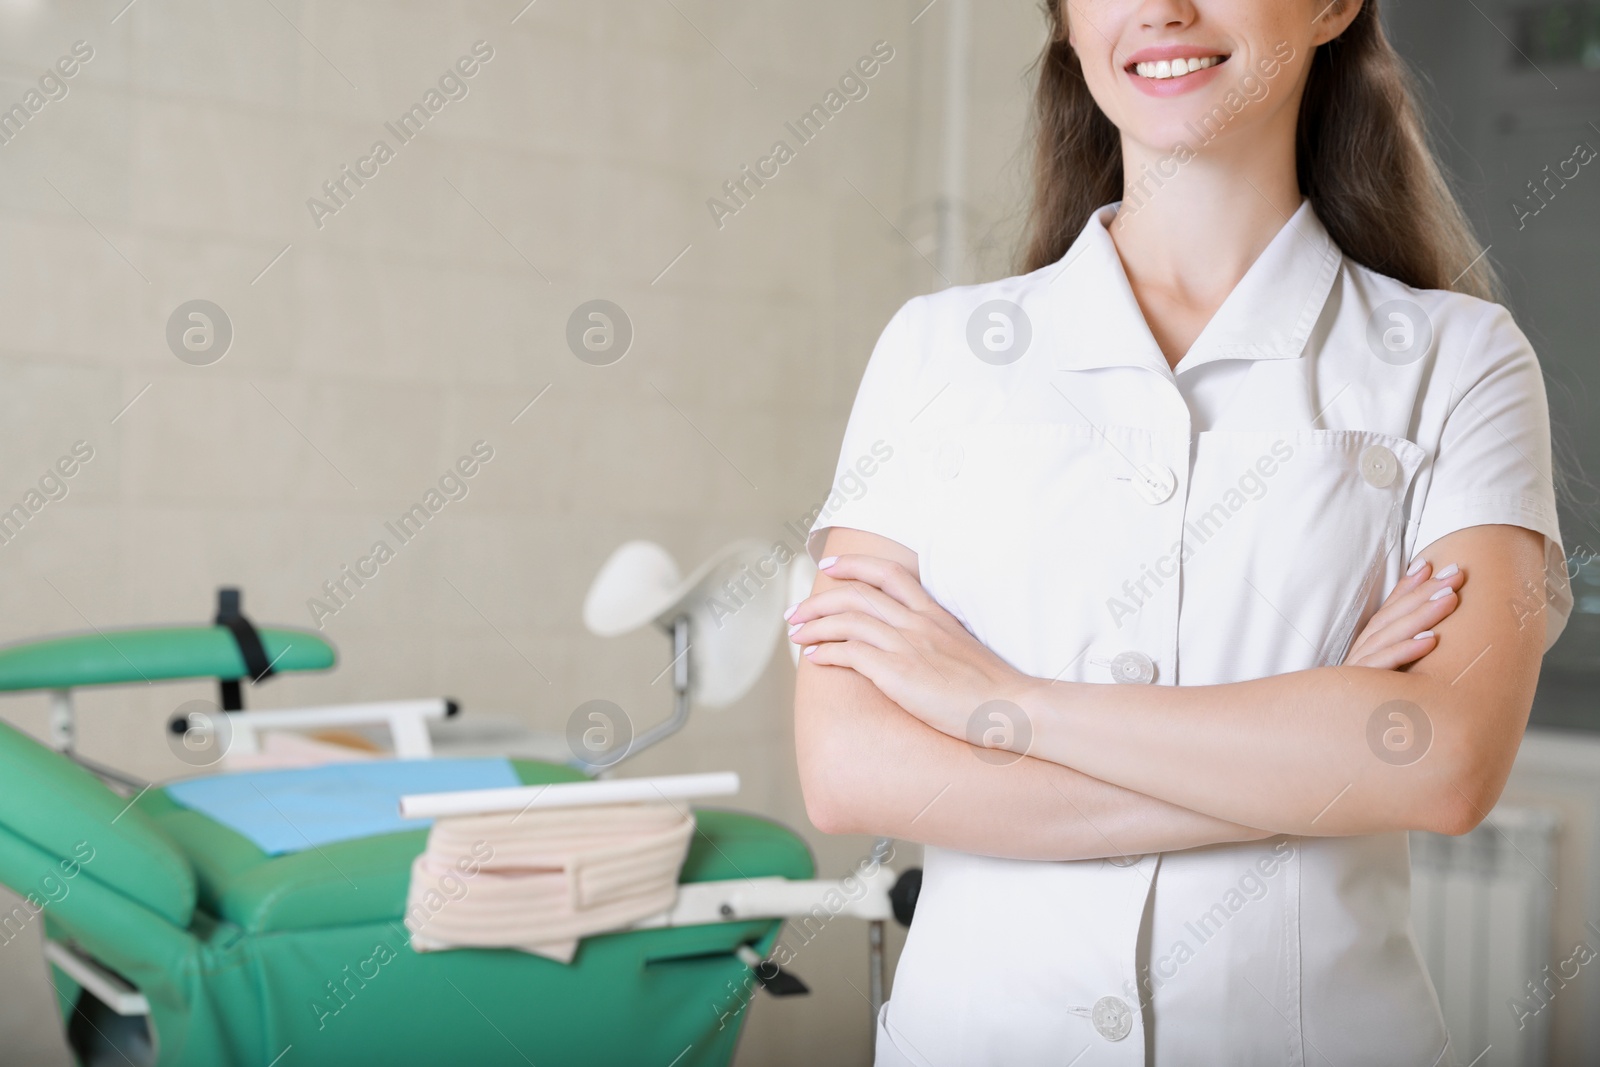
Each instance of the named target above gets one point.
<point>1169,139</point>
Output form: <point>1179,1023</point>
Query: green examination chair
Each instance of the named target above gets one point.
<point>174,940</point>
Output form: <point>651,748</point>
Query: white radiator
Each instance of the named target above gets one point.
<point>1482,907</point>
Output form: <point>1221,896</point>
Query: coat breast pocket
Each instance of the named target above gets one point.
<point>1291,541</point>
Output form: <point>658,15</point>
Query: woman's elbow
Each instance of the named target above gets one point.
<point>827,811</point>
<point>1453,815</point>
<point>830,777</point>
<point>850,746</point>
<point>832,804</point>
<point>1466,793</point>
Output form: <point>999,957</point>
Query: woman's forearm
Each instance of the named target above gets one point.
<point>866,766</point>
<point>1288,752</point>
<point>1334,750</point>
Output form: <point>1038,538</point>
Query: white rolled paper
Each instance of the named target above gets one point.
<point>569,795</point>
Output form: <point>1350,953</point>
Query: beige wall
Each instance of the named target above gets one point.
<point>427,312</point>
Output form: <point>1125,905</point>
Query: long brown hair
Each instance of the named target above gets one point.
<point>1362,155</point>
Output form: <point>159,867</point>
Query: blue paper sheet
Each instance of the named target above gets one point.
<point>288,811</point>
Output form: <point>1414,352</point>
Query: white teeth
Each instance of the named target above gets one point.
<point>1175,68</point>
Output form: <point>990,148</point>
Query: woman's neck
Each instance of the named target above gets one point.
<point>1187,238</point>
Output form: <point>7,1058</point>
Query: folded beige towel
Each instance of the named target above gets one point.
<point>542,879</point>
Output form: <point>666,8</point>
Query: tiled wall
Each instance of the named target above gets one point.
<point>372,350</point>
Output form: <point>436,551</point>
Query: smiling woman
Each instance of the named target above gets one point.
<point>1278,689</point>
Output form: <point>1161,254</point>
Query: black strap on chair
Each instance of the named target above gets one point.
<point>254,653</point>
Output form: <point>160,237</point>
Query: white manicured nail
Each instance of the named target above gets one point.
<point>1448,572</point>
<point>809,649</point>
<point>1441,594</point>
<point>824,564</point>
<point>1415,567</point>
<point>795,628</point>
<point>1423,636</point>
<point>792,609</point>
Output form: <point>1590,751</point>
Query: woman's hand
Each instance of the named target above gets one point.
<point>1401,631</point>
<point>882,624</point>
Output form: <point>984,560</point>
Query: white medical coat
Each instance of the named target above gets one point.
<point>1092,514</point>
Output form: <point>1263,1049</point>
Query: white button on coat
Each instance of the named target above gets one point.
<point>1112,1018</point>
<point>1378,466</point>
<point>1305,473</point>
<point>1133,667</point>
<point>1155,483</point>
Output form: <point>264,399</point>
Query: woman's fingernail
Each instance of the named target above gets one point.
<point>792,609</point>
<point>1423,636</point>
<point>795,628</point>
<point>1441,594</point>
<point>826,562</point>
<point>1417,566</point>
<point>809,649</point>
<point>1448,572</point>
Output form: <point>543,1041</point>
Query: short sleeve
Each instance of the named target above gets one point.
<point>875,481</point>
<point>1493,463</point>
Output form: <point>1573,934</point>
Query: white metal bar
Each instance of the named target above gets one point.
<point>406,719</point>
<point>63,721</point>
<point>569,795</point>
<point>110,990</point>
<point>409,736</point>
<point>778,898</point>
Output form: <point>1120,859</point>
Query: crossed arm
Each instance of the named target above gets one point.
<point>884,694</point>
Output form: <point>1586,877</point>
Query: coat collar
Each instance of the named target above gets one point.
<point>1269,314</point>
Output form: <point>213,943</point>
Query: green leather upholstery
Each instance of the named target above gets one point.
<point>150,654</point>
<point>243,956</point>
<point>51,803</point>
